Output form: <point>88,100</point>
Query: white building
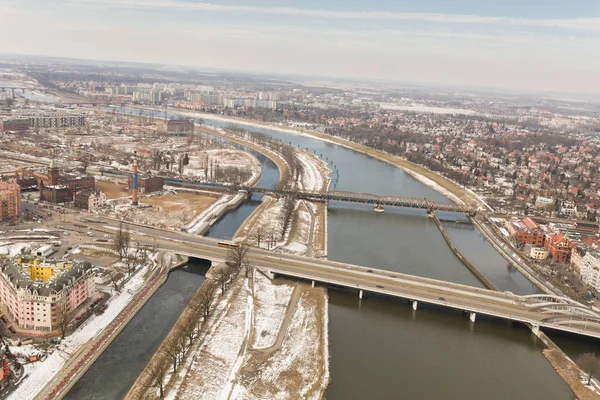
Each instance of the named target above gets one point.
<point>538,253</point>
<point>590,270</point>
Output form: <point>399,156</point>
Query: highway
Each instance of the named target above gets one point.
<point>536,310</point>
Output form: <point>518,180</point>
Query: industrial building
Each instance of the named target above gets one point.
<point>14,124</point>
<point>56,186</point>
<point>148,184</point>
<point>90,200</point>
<point>180,126</point>
<point>38,306</point>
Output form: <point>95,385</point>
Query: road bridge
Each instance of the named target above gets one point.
<point>537,311</point>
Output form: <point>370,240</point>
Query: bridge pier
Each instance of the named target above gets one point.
<point>313,284</point>
<point>414,305</point>
<point>360,294</point>
<point>472,316</point>
<point>535,329</point>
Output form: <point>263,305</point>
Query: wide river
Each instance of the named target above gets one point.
<point>381,348</point>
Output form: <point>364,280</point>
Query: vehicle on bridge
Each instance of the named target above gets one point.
<point>228,244</point>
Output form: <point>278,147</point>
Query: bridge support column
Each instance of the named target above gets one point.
<point>414,305</point>
<point>313,283</point>
<point>360,294</point>
<point>535,329</point>
<point>472,316</point>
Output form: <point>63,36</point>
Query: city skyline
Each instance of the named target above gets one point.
<point>536,47</point>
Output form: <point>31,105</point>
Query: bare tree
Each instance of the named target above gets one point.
<point>206,299</point>
<point>223,277</point>
<point>158,372</point>
<point>237,255</point>
<point>188,330</point>
<point>172,350</point>
<point>246,267</point>
<point>122,241</point>
<point>590,363</point>
<point>62,313</point>
<point>114,278</point>
<point>286,215</point>
<point>258,235</point>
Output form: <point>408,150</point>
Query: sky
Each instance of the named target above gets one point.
<point>526,45</point>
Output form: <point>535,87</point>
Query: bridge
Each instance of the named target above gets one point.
<point>351,197</point>
<point>12,89</point>
<point>536,311</point>
<point>365,198</point>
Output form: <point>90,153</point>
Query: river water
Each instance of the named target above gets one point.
<point>111,376</point>
<point>381,348</point>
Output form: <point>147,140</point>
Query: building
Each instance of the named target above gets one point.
<point>568,209</point>
<point>14,125</point>
<point>90,200</point>
<point>56,186</point>
<point>40,307</point>
<point>53,118</point>
<point>577,254</point>
<point>538,253</point>
<point>42,269</point>
<point>559,246</point>
<point>148,184</point>
<point>590,270</point>
<point>525,232</point>
<point>586,226</point>
<point>180,126</point>
<point>10,200</point>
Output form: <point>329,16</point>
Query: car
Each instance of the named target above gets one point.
<point>107,236</point>
<point>370,270</point>
<point>380,287</point>
<point>78,318</point>
<point>442,298</point>
<point>66,233</point>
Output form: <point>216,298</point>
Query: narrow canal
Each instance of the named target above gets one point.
<point>111,376</point>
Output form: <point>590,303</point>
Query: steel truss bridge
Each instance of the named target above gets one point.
<point>351,197</point>
<point>365,198</point>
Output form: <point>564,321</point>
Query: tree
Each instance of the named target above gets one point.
<point>114,278</point>
<point>172,349</point>
<point>158,371</point>
<point>590,363</point>
<point>223,277</point>
<point>206,299</point>
<point>236,256</point>
<point>62,313</point>
<point>286,216</point>
<point>122,241</point>
<point>258,235</point>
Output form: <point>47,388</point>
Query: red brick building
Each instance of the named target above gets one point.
<point>56,187</point>
<point>559,246</point>
<point>148,184</point>
<point>526,232</point>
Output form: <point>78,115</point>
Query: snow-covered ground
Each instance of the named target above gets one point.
<point>299,369</point>
<point>210,373</point>
<point>12,250</point>
<point>311,178</point>
<point>40,373</point>
<point>270,304</point>
<point>202,163</point>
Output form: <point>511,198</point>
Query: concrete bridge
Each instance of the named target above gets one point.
<point>12,89</point>
<point>537,311</point>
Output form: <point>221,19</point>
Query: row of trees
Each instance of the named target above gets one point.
<point>187,330</point>
<point>131,255</point>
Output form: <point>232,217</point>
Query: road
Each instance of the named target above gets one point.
<point>465,298</point>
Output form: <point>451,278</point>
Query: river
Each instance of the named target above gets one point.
<point>381,348</point>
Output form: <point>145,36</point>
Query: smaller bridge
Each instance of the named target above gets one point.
<point>12,89</point>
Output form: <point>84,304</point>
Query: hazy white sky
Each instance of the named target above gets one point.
<point>541,45</point>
